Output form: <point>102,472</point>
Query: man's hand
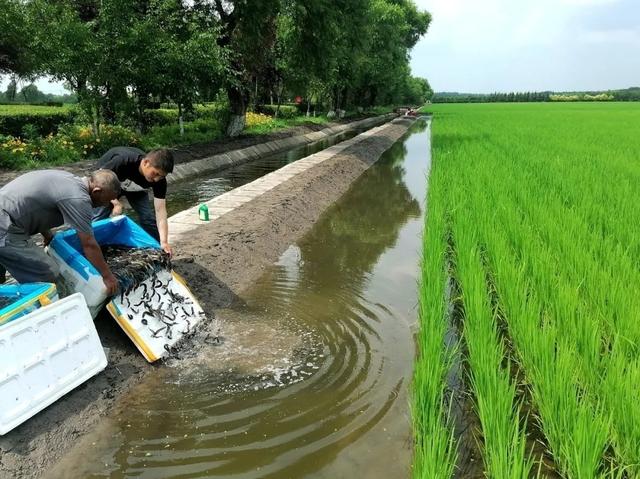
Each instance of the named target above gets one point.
<point>167,249</point>
<point>93,253</point>
<point>111,283</point>
<point>117,208</point>
<point>48,236</point>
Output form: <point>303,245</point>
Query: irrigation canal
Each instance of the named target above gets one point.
<point>312,378</point>
<point>186,193</point>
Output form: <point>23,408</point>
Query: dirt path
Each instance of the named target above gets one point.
<point>219,261</point>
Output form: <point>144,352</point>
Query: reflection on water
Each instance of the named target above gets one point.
<point>311,378</point>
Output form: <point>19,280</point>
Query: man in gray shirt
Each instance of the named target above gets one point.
<point>40,200</point>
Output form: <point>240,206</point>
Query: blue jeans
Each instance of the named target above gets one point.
<point>139,201</point>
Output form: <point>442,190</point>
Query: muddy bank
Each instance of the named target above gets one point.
<point>219,260</point>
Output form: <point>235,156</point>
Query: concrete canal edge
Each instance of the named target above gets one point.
<point>251,228</point>
<point>212,164</point>
<point>187,220</point>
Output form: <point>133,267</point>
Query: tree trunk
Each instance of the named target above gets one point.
<point>180,119</point>
<point>280,91</point>
<point>238,107</point>
<point>96,119</point>
<point>255,95</point>
<point>109,107</point>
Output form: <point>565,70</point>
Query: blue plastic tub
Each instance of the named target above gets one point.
<point>119,230</point>
<point>25,298</point>
<point>80,275</point>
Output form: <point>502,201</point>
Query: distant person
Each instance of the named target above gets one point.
<point>139,171</point>
<point>40,200</point>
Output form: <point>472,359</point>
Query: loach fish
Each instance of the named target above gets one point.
<point>145,274</point>
<point>132,266</point>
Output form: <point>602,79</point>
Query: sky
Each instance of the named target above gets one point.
<point>529,45</point>
<point>44,85</point>
<point>482,46</point>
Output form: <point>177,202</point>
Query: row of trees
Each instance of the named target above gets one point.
<point>454,97</point>
<point>629,94</point>
<point>119,56</point>
<point>585,97</point>
<point>29,93</point>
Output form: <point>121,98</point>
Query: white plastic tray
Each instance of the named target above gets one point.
<point>43,356</point>
<point>153,337</point>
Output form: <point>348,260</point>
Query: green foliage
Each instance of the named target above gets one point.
<point>284,111</point>
<point>16,54</point>
<point>13,118</point>
<point>161,116</point>
<point>519,97</point>
<point>89,145</point>
<point>169,116</point>
<point>585,97</point>
<point>628,94</point>
<point>38,152</point>
<point>197,131</point>
<point>120,58</point>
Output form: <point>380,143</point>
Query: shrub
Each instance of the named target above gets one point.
<point>286,111</point>
<point>13,118</point>
<point>161,116</point>
<point>90,146</point>
<point>218,111</point>
<point>255,119</point>
<point>16,153</point>
<point>198,131</point>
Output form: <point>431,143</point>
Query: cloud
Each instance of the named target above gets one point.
<point>619,36</point>
<point>528,45</point>
<point>588,3</point>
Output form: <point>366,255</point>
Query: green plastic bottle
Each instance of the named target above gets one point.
<point>203,212</point>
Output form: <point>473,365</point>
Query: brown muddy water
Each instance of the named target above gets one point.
<point>311,380</point>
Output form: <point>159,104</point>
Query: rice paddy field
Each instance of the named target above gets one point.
<point>529,291</point>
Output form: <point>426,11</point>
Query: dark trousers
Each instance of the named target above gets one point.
<point>139,201</point>
<point>26,262</point>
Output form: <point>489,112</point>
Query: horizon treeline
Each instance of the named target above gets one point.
<point>628,94</point>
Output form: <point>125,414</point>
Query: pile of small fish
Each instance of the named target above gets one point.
<point>158,308</point>
<point>131,266</point>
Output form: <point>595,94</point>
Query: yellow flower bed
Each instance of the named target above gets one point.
<point>255,119</point>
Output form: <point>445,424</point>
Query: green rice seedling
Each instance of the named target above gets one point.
<point>435,448</point>
<point>551,193</point>
<point>504,440</point>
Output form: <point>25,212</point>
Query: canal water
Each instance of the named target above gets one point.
<point>191,191</point>
<point>312,378</point>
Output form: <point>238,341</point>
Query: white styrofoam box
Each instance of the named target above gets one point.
<point>78,272</point>
<point>90,285</point>
<point>44,355</point>
<point>154,321</point>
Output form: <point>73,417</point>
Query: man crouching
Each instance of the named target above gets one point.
<point>40,200</point>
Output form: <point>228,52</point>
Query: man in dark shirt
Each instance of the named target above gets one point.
<point>139,171</point>
<point>40,200</point>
